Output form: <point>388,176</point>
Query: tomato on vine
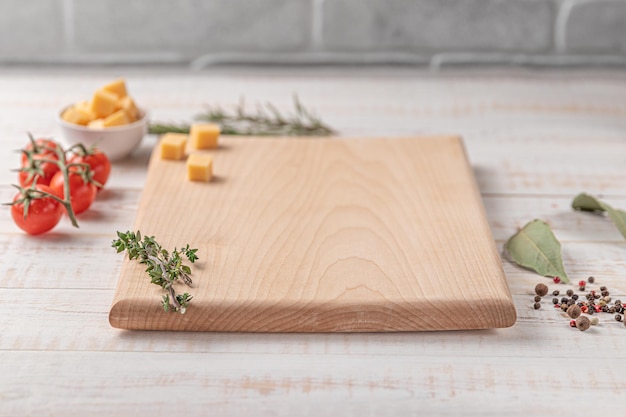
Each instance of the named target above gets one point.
<point>82,192</point>
<point>97,161</point>
<point>34,212</point>
<point>39,162</point>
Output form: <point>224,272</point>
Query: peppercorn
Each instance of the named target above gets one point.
<point>575,297</point>
<point>580,304</point>
<point>618,317</point>
<point>602,303</point>
<point>581,288</point>
<point>564,300</point>
<point>607,299</point>
<point>583,323</point>
<point>619,309</point>
<point>605,293</point>
<point>584,309</point>
<point>555,292</point>
<point>555,300</point>
<point>537,306</point>
<point>594,321</point>
<point>564,307</point>
<point>590,310</point>
<point>541,289</point>
<point>556,280</point>
<point>591,280</point>
<point>574,311</point>
<point>605,309</point>
<point>582,283</point>
<point>603,288</point>
<point>570,292</point>
<point>618,302</point>
<point>572,323</point>
<point>596,296</point>
<point>612,310</point>
<point>537,298</point>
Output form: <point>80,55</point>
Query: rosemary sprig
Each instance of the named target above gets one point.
<point>164,268</point>
<point>266,121</point>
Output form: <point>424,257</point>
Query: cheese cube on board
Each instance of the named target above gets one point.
<point>199,167</point>
<point>204,135</point>
<point>117,87</point>
<point>102,103</point>
<point>116,119</point>
<point>173,145</point>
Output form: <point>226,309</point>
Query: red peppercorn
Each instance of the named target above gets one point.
<point>597,308</point>
<point>557,306</point>
<point>556,280</point>
<point>582,283</point>
<point>572,323</point>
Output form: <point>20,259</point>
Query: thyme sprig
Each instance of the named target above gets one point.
<point>265,121</point>
<point>164,268</point>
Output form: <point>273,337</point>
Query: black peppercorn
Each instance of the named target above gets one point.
<point>564,300</point>
<point>618,302</point>
<point>571,302</point>
<point>537,298</point>
<point>605,309</point>
<point>555,300</point>
<point>555,292</point>
<point>618,317</point>
<point>581,288</point>
<point>605,293</point>
<point>591,310</point>
<point>564,307</point>
<point>537,306</point>
<point>575,297</point>
<point>570,293</point>
<point>591,280</point>
<point>603,288</point>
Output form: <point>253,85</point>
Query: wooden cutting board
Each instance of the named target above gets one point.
<point>322,235</point>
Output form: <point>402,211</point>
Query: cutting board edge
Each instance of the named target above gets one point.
<point>143,314</point>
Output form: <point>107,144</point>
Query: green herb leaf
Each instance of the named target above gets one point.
<point>162,268</point>
<point>535,247</point>
<point>586,202</point>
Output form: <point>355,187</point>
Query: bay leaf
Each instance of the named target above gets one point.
<point>535,247</point>
<point>586,202</point>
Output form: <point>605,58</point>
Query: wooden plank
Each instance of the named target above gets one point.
<point>303,384</point>
<point>323,235</point>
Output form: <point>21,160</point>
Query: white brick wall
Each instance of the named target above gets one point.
<point>416,32</point>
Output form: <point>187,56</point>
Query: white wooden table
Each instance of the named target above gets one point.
<point>535,140</point>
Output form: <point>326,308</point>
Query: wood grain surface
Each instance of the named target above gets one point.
<point>534,140</point>
<point>323,235</point>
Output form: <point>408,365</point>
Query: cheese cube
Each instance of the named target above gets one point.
<point>102,103</point>
<point>173,145</point>
<point>117,87</point>
<point>77,116</point>
<point>199,167</point>
<point>128,105</point>
<point>116,119</point>
<point>96,124</point>
<point>204,135</point>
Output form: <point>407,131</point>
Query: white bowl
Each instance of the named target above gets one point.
<point>117,142</point>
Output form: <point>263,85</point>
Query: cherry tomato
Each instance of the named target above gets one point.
<point>81,194</point>
<point>43,149</point>
<point>98,162</point>
<point>43,213</point>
